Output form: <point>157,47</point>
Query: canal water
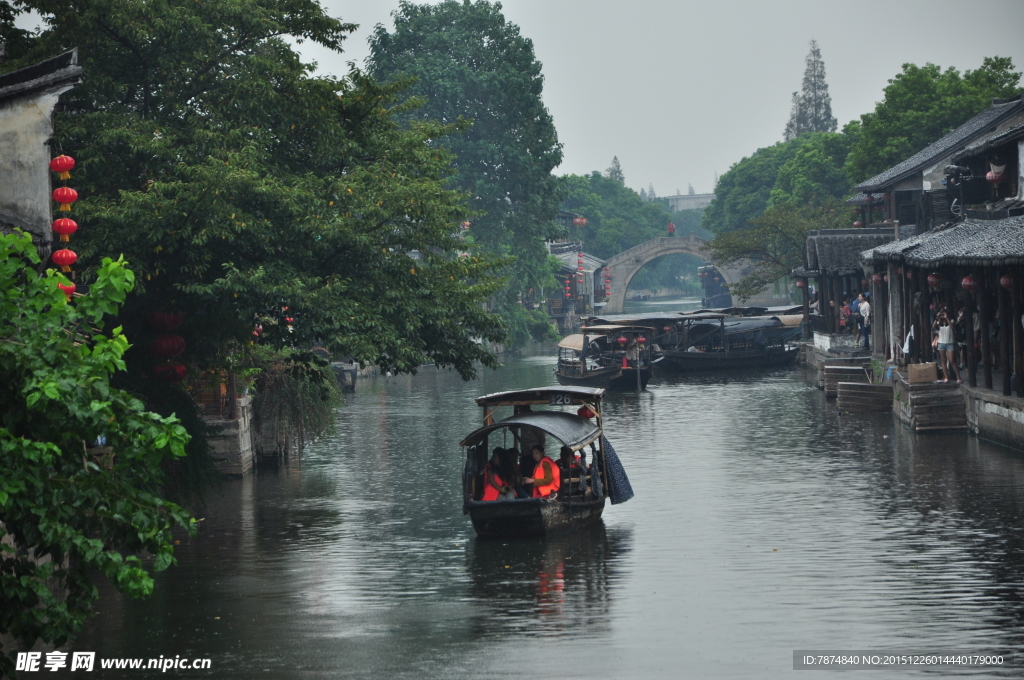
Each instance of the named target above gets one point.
<point>764,522</point>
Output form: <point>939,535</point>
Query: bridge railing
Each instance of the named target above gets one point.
<point>654,242</point>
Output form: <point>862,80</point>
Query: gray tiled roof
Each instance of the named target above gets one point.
<point>862,199</point>
<point>958,138</point>
<point>838,253</point>
<point>991,141</point>
<point>982,243</point>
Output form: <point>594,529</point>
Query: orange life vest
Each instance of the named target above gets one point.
<point>491,478</point>
<point>549,469</point>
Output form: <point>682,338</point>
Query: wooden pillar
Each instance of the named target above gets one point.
<point>807,310</point>
<point>896,332</point>
<point>986,326</point>
<point>972,359</point>
<point>1018,360</point>
<point>826,304</point>
<point>1005,337</point>
<point>839,302</point>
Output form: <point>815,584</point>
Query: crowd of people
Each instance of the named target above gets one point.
<point>510,475</point>
<point>854,316</point>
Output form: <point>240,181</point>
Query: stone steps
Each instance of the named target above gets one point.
<point>857,397</point>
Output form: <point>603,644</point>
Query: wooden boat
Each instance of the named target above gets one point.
<point>603,479</point>
<point>710,342</point>
<point>612,357</point>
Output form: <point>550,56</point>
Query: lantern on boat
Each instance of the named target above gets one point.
<point>64,227</point>
<point>62,166</point>
<point>970,284</point>
<point>622,340</point>
<point>167,345</point>
<point>68,289</point>
<point>65,196</point>
<point>1006,281</point>
<point>801,283</point>
<point>934,280</point>
<point>172,373</point>
<point>64,259</point>
<point>641,340</point>
<point>585,412</point>
<point>667,329</point>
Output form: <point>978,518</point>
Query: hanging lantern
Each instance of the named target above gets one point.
<point>165,321</point>
<point>934,280</point>
<point>858,224</point>
<point>717,279</point>
<point>568,295</point>
<point>167,345</point>
<point>65,227</point>
<point>910,275</point>
<point>970,284</point>
<point>876,278</point>
<point>641,340</point>
<point>64,259</point>
<point>863,283</point>
<point>667,329</point>
<point>585,412</point>
<point>801,283</point>
<point>622,340</point>
<point>68,289</point>
<point>62,166</point>
<point>1006,281</point>
<point>65,196</point>
<point>172,373</point>
<point>288,319</point>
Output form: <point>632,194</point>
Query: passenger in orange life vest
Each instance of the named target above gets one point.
<point>494,486</point>
<point>545,478</point>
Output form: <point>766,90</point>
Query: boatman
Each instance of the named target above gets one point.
<point>545,478</point>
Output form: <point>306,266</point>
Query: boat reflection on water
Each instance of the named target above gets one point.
<point>547,586</point>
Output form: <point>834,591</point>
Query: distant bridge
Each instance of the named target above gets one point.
<point>626,264</point>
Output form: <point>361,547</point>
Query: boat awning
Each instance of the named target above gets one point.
<point>574,341</point>
<point>568,428</point>
<point>543,395</point>
<point>790,320</point>
<point>605,330</point>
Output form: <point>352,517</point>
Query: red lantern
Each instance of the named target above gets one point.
<point>993,177</point>
<point>65,227</point>
<point>970,284</point>
<point>1006,281</point>
<point>641,340</point>
<point>68,289</point>
<point>667,329</point>
<point>568,295</point>
<point>288,319</point>
<point>800,283</point>
<point>863,283</point>
<point>64,258</point>
<point>165,321</point>
<point>934,280</point>
<point>858,224</point>
<point>585,412</point>
<point>622,340</point>
<point>62,165</point>
<point>172,373</point>
<point>167,345</point>
<point>876,278</point>
<point>65,196</point>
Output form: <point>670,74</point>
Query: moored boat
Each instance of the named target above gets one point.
<point>709,342</point>
<point>613,357</point>
<point>587,478</point>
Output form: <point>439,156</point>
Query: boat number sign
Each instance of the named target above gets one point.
<point>560,399</point>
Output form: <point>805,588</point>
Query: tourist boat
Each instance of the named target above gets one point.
<point>709,342</point>
<point>612,357</point>
<point>581,431</point>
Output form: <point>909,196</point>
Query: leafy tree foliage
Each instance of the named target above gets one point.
<point>774,242</point>
<point>244,190</point>
<point>471,65</point>
<point>921,104</point>
<point>812,105</point>
<point>67,510</point>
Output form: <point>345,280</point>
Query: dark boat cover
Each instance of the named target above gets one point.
<point>568,428</point>
<point>621,490</point>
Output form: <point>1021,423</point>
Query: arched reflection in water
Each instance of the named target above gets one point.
<point>550,587</point>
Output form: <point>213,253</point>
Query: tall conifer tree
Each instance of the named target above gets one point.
<point>812,106</point>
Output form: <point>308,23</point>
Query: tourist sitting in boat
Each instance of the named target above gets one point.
<point>511,474</point>
<point>571,472</point>
<point>544,478</point>
<point>495,487</point>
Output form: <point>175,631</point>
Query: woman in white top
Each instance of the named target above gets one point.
<point>946,345</point>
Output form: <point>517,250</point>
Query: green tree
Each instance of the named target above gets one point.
<point>773,244</point>
<point>812,105</point>
<point>244,190</point>
<point>67,510</point>
<point>921,104</point>
<point>471,65</point>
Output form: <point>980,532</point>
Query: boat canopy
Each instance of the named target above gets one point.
<point>604,330</point>
<point>644,319</point>
<point>568,428</point>
<point>574,342</point>
<point>543,395</point>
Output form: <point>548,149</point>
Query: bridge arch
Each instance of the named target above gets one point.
<point>626,264</point>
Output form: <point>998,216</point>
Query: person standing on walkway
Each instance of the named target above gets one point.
<point>865,311</point>
<point>946,345</point>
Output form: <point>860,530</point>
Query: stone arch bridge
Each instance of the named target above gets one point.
<point>626,264</point>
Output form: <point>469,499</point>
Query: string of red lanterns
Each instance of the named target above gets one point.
<point>64,227</point>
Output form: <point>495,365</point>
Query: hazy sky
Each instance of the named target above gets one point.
<point>682,90</point>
